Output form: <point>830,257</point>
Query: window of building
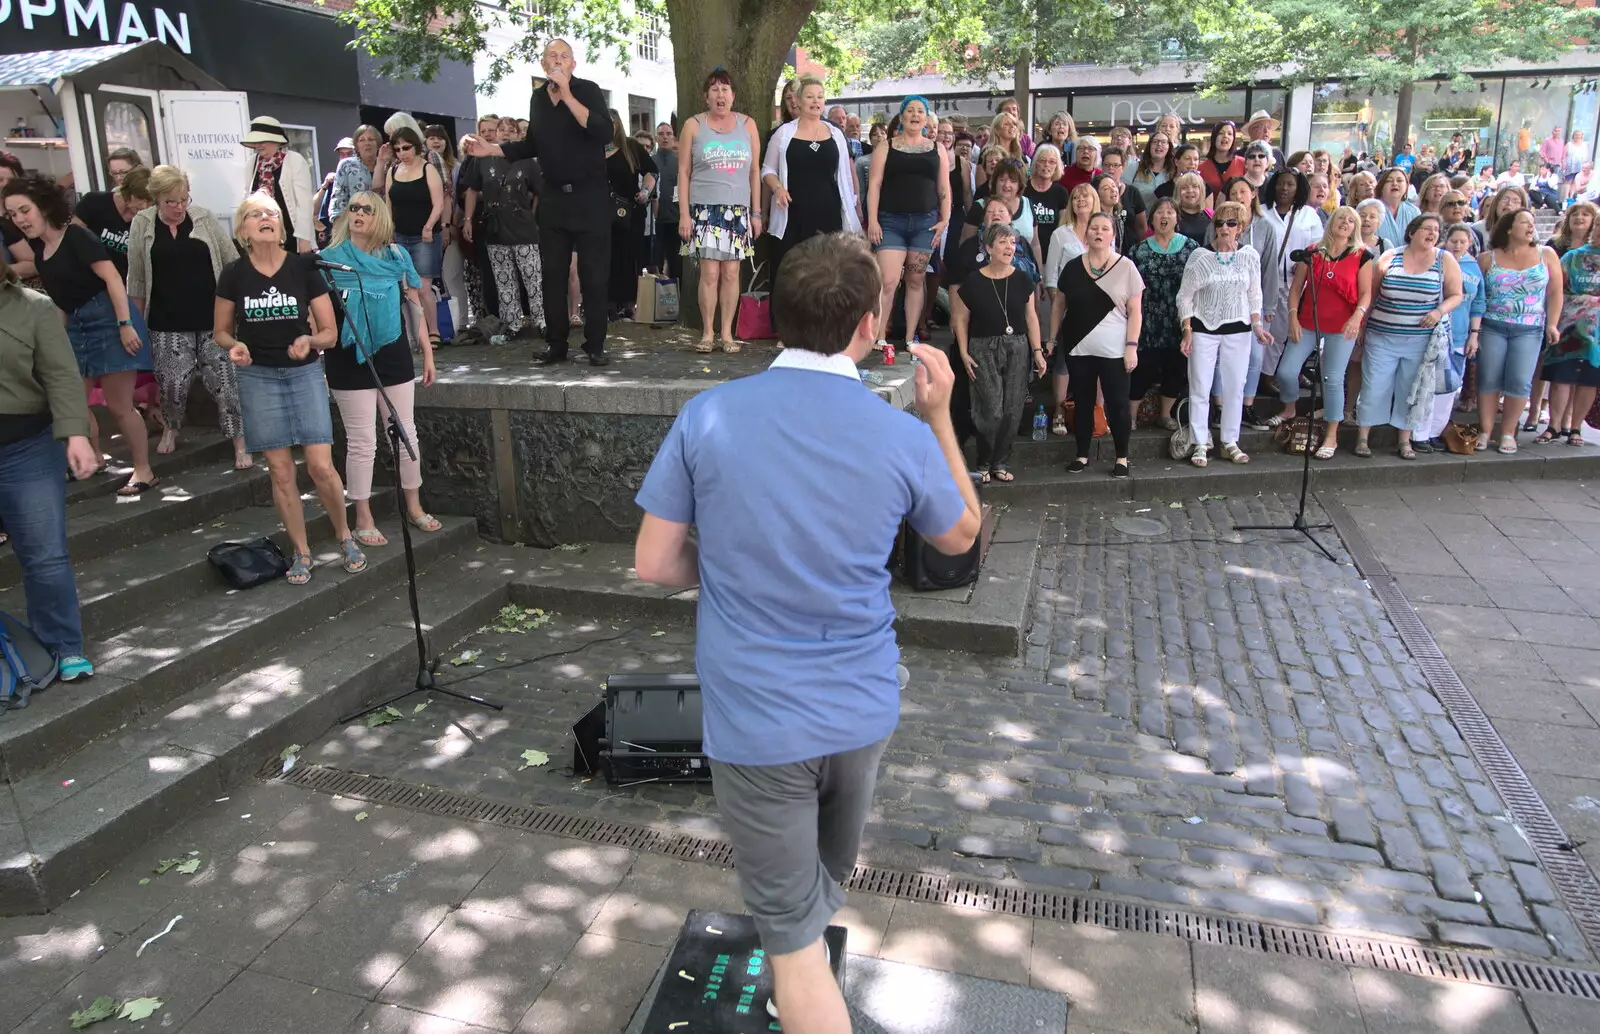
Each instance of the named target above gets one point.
<point>1532,107</point>
<point>641,114</point>
<point>127,125</point>
<point>649,45</point>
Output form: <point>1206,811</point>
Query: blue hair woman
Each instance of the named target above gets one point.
<point>908,209</point>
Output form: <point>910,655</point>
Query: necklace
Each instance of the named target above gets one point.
<point>1005,303</point>
<point>1232,256</point>
<point>1098,271</point>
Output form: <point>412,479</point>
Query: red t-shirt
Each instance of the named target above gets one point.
<point>1337,290</point>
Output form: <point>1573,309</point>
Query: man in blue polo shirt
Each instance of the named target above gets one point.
<point>796,481</point>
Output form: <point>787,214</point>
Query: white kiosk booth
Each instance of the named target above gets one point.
<point>64,111</point>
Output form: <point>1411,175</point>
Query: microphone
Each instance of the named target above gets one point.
<point>325,264</point>
<point>1303,254</point>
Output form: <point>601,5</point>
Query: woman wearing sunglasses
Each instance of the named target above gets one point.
<point>176,251</point>
<point>416,197</point>
<point>1219,304</point>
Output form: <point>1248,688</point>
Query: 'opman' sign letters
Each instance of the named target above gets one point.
<point>104,20</point>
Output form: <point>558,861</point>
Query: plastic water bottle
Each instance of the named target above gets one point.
<point>1041,426</point>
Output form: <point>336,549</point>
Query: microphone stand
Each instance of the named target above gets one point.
<point>426,668</point>
<point>1313,366</point>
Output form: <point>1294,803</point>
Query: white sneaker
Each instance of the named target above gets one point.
<point>772,1003</point>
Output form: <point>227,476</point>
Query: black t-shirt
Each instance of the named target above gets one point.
<point>624,180</point>
<point>270,312</point>
<point>505,210</point>
<point>984,297</point>
<point>98,211</point>
<point>393,362</point>
<point>1048,204</point>
<point>182,286</point>
<point>68,275</point>
<point>9,235</point>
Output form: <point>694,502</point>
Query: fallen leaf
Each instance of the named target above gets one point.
<point>502,658</point>
<point>288,752</point>
<point>101,1008</point>
<point>384,717</point>
<point>657,635</point>
<point>467,657</point>
<point>188,868</point>
<point>139,1008</point>
<point>144,881</point>
<point>533,759</point>
<point>419,708</point>
<point>165,864</point>
<point>1174,506</point>
<point>361,816</point>
<point>1209,496</point>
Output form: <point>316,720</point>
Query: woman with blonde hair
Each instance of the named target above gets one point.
<point>1194,218</point>
<point>267,304</point>
<point>1430,196</point>
<point>176,252</point>
<point>372,328</point>
<point>1005,132</point>
<point>1361,186</point>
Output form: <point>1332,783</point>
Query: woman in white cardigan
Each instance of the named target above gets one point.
<point>284,175</point>
<point>811,177</point>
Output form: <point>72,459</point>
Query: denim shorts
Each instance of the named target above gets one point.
<point>907,231</point>
<point>97,342</point>
<point>1508,355</point>
<point>427,256</point>
<point>283,406</point>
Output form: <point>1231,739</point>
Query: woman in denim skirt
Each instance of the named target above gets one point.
<point>107,333</point>
<point>267,305</point>
<point>416,197</point>
<point>908,208</point>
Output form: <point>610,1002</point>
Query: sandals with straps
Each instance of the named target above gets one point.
<point>299,569</point>
<point>354,560</point>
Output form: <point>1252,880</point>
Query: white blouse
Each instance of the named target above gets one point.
<point>1218,290</point>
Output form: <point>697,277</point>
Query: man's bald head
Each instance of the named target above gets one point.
<point>556,45</point>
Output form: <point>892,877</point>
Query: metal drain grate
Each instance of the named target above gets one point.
<point>1078,909</point>
<point>1569,872</point>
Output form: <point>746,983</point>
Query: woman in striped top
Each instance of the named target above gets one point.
<point>1413,288</point>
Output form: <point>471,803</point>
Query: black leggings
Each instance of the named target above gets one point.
<point>1084,372</point>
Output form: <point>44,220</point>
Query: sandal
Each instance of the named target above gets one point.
<point>369,537</point>
<point>1508,444</point>
<point>299,569</point>
<point>354,561</point>
<point>1574,437</point>
<point>138,487</point>
<point>983,477</point>
<point>705,346</point>
<point>1406,452</point>
<point>1058,426</point>
<point>1362,449</point>
<point>1003,475</point>
<point>1232,452</point>
<point>425,522</point>
<point>1198,456</point>
<point>1482,444</point>
<point>1167,423</point>
<point>731,347</point>
<point>1548,435</point>
<point>1325,453</point>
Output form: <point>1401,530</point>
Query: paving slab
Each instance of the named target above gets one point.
<point>1396,1004</point>
<point>1239,992</point>
<point>1115,982</point>
<point>183,981</point>
<point>255,1003</point>
<point>596,989</point>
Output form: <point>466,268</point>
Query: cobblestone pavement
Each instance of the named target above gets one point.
<point>1202,718</point>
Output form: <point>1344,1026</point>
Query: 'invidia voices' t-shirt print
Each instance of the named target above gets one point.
<point>269,312</point>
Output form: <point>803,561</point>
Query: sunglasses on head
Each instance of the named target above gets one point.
<point>359,208</point>
<point>1220,223</point>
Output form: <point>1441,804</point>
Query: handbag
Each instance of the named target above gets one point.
<point>1295,436</point>
<point>1069,414</point>
<point>244,565</point>
<point>754,321</point>
<point>621,210</point>
<point>1461,439</point>
<point>1181,442</point>
<point>656,300</point>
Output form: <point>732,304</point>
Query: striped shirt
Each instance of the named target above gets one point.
<point>1404,298</point>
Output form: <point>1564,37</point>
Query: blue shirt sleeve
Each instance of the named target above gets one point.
<point>936,502</point>
<point>1480,304</point>
<point>668,489</point>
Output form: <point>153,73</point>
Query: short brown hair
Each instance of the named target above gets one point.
<point>136,185</point>
<point>829,282</point>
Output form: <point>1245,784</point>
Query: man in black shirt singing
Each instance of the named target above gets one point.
<point>568,130</point>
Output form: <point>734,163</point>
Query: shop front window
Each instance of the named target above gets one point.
<point>1351,120</point>
<point>1535,106</point>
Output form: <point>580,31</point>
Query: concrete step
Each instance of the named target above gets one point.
<point>1150,443</point>
<point>1271,470</point>
<point>194,639</point>
<point>100,525</point>
<point>118,591</point>
<point>195,449</point>
<point>988,617</point>
<point>65,826</point>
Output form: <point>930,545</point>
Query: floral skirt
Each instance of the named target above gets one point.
<point>721,233</point>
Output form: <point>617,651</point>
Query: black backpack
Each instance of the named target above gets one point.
<point>26,665</point>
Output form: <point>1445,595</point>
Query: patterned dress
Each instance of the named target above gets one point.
<point>1160,329</point>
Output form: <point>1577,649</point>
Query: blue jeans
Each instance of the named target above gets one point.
<point>1508,355</point>
<point>1336,351</point>
<point>1389,367</point>
<point>33,508</point>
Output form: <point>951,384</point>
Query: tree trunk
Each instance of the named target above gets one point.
<point>1402,118</point>
<point>1022,88</point>
<point>751,39</point>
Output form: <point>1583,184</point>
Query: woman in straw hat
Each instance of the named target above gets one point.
<point>283,175</point>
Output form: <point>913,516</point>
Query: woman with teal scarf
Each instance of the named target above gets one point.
<point>1572,363</point>
<point>373,298</point>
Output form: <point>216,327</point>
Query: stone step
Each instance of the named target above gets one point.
<point>1273,471</point>
<point>188,641</point>
<point>988,617</point>
<point>197,449</point>
<point>1150,443</point>
<point>100,525</point>
<point>57,837</point>
<point>125,588</point>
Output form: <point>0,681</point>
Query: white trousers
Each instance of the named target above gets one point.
<point>366,420</point>
<point>1227,357</point>
<point>1439,419</point>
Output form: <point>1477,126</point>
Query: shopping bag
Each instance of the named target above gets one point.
<point>754,322</point>
<point>656,300</point>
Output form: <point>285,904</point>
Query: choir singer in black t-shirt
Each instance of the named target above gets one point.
<point>568,130</point>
